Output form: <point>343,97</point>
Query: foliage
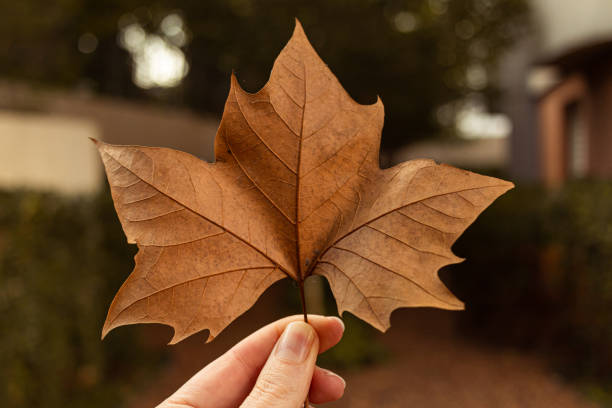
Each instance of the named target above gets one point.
<point>544,283</point>
<point>545,280</point>
<point>360,346</point>
<point>418,55</point>
<point>60,262</point>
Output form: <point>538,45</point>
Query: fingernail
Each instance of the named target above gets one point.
<point>332,374</point>
<point>295,342</point>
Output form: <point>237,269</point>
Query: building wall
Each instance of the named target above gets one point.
<point>520,107</point>
<point>48,152</point>
<point>554,128</point>
<point>476,154</point>
<point>44,135</point>
<point>600,86</point>
<point>559,26</point>
<point>566,24</point>
<point>119,121</point>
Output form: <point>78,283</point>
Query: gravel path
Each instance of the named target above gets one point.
<point>433,368</point>
<point>430,367</point>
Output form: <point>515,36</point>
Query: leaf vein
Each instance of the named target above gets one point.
<point>394,272</point>
<point>358,288</point>
<point>405,243</point>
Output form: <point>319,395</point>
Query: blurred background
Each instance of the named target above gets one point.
<point>520,89</point>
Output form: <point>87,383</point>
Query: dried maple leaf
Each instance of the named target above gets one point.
<point>296,190</point>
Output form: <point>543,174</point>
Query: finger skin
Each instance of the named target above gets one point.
<point>228,380</point>
<point>326,386</point>
<point>285,379</point>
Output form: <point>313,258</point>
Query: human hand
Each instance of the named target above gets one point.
<point>272,368</point>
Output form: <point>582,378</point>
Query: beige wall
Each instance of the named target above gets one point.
<point>45,152</point>
<point>44,136</point>
<point>119,121</point>
<point>468,154</point>
<point>566,24</point>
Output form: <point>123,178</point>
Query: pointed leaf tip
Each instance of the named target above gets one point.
<point>105,331</point>
<point>234,84</point>
<point>298,30</point>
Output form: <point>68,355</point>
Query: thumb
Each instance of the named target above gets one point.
<point>285,379</point>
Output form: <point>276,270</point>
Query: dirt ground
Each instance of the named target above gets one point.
<point>430,366</point>
<point>433,367</point>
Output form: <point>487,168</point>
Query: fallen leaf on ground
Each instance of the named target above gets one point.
<point>296,190</point>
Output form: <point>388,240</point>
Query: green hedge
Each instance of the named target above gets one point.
<point>61,260</point>
<point>539,274</point>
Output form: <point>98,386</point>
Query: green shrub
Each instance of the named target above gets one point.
<point>539,274</point>
<point>61,260</point>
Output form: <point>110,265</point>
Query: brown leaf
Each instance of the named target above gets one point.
<point>296,190</point>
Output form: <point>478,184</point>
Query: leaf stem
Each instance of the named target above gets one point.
<point>303,301</point>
